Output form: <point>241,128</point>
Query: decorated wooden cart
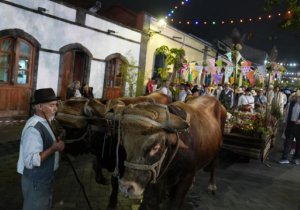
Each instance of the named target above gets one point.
<point>250,135</point>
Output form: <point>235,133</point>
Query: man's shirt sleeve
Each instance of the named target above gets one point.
<point>32,144</point>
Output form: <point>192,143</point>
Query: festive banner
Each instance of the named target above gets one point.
<point>250,76</point>
<point>229,56</point>
<point>185,75</point>
<point>199,70</point>
<point>203,75</point>
<point>246,67</point>
<point>217,78</point>
<point>183,68</point>
<point>195,75</point>
<point>219,63</point>
<point>231,80</point>
<point>262,70</point>
<point>228,72</point>
<point>211,61</point>
<point>207,79</point>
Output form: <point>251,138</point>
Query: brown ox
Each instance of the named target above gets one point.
<point>164,151</point>
<point>76,115</point>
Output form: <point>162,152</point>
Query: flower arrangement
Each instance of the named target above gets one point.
<point>251,125</point>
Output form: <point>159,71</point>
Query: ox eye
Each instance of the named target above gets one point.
<point>154,149</point>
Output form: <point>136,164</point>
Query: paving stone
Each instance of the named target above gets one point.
<point>244,186</point>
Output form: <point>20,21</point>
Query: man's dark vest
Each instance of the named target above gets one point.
<point>226,99</point>
<point>44,172</point>
<point>292,104</point>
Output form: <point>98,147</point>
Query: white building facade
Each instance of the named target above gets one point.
<point>48,44</point>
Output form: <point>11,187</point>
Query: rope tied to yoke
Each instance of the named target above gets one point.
<point>155,168</point>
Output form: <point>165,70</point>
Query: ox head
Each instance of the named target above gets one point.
<point>149,138</point>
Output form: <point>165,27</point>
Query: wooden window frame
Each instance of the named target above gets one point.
<point>15,57</point>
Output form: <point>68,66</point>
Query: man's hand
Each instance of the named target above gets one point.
<point>58,146</point>
<point>297,122</point>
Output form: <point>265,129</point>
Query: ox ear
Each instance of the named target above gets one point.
<point>172,139</point>
<point>177,123</point>
<point>98,107</point>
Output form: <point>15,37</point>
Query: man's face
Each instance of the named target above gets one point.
<point>48,109</point>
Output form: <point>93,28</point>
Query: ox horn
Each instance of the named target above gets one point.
<point>176,123</point>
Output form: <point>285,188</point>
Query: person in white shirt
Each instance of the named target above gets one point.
<point>218,91</point>
<point>246,101</point>
<point>39,153</point>
<point>182,93</point>
<point>165,89</point>
<point>279,100</point>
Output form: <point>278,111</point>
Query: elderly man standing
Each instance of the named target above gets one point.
<point>279,100</point>
<point>260,101</point>
<point>292,121</point>
<point>39,153</point>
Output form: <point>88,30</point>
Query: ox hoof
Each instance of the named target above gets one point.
<point>212,189</point>
<point>102,180</point>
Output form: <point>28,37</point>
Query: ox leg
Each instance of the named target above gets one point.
<point>212,187</point>
<point>113,199</point>
<point>100,179</point>
<point>178,192</point>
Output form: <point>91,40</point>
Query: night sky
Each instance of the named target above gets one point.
<point>262,34</point>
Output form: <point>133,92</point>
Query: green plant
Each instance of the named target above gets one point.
<point>164,73</point>
<point>130,69</point>
<point>291,18</point>
<point>174,56</point>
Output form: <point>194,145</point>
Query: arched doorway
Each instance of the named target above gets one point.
<point>75,65</point>
<point>115,71</point>
<point>18,69</point>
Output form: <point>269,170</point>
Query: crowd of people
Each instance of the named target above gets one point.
<point>242,98</point>
<point>249,99</point>
<point>40,147</point>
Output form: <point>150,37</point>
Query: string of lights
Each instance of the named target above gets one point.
<point>171,13</point>
<point>176,7</point>
<point>227,20</point>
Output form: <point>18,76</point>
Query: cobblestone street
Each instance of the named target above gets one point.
<point>241,185</point>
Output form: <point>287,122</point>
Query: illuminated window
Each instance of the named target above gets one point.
<point>115,72</point>
<point>15,61</point>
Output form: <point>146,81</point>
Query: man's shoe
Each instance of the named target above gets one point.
<point>283,161</point>
<point>296,161</point>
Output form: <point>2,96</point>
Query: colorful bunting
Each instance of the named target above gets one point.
<point>218,78</point>
<point>250,76</point>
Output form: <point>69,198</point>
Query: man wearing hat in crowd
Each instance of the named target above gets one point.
<point>279,100</point>
<point>260,101</point>
<point>39,152</point>
<point>292,130</point>
<point>246,101</point>
<point>226,96</point>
